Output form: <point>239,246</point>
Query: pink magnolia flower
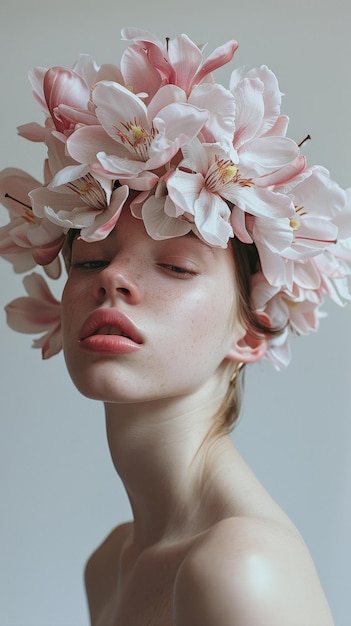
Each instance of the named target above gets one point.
<point>318,204</point>
<point>64,96</point>
<point>163,218</point>
<point>75,197</point>
<point>26,233</point>
<point>295,311</point>
<point>264,152</point>
<point>141,75</point>
<point>205,182</point>
<point>178,61</point>
<point>134,139</point>
<point>36,313</point>
<point>80,200</point>
<point>318,201</point>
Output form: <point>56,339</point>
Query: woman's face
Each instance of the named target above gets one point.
<point>146,319</point>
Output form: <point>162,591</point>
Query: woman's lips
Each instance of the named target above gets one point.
<point>110,331</point>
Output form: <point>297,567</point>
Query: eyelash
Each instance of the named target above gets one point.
<point>176,269</point>
<point>97,264</point>
<point>90,265</point>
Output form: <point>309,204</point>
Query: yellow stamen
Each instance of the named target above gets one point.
<point>228,172</point>
<point>136,137</point>
<point>138,133</point>
<point>224,172</point>
<point>295,223</point>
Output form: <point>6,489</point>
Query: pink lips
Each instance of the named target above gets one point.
<point>109,331</point>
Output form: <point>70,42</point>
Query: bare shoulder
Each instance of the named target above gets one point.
<point>101,569</point>
<point>247,571</point>
<point>111,545</point>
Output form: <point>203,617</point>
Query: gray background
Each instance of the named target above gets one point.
<point>58,492</point>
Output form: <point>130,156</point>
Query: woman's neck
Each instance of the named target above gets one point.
<point>162,452</point>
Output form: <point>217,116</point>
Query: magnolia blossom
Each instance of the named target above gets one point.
<point>75,196</point>
<point>88,202</point>
<point>64,96</point>
<point>318,201</point>
<point>134,139</point>
<point>36,313</point>
<point>297,311</point>
<point>318,204</point>
<point>177,61</point>
<point>26,233</point>
<point>207,180</point>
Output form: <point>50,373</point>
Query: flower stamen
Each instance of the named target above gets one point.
<point>224,172</point>
<point>136,137</point>
<point>90,190</point>
<point>295,223</point>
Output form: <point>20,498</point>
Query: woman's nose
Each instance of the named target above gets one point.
<point>118,280</point>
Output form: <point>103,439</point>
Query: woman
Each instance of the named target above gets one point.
<point>196,238</point>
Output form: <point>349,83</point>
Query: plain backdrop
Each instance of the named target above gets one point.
<point>59,495</point>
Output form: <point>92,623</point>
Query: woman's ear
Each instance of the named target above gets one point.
<point>250,346</point>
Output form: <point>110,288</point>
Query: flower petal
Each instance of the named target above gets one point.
<point>159,225</point>
<point>212,219</point>
<point>219,57</point>
<point>220,104</point>
<point>139,73</point>
<point>85,143</point>
<point>106,220</point>
<point>116,105</point>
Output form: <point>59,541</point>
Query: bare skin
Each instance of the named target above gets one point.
<point>207,545</point>
<point>232,558</point>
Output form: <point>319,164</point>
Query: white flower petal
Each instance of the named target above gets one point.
<point>159,225</point>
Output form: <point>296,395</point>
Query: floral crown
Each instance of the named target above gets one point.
<point>198,157</point>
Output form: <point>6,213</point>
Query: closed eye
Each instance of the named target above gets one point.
<point>181,272</point>
<point>90,265</point>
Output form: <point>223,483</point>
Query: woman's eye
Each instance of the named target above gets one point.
<point>181,272</point>
<point>90,265</point>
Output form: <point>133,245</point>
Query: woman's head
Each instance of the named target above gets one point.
<point>182,299</point>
